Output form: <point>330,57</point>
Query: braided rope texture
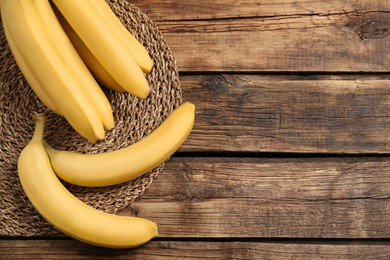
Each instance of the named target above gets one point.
<point>134,119</point>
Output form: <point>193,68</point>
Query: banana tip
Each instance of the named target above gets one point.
<point>190,105</point>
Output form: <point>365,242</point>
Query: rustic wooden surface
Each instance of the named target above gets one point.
<point>289,156</point>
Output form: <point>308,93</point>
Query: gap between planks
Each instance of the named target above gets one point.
<point>70,249</point>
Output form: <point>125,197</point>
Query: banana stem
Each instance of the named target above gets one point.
<point>48,146</point>
<point>40,122</point>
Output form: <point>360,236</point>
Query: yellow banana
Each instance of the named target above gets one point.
<point>68,214</point>
<point>98,71</point>
<point>47,66</point>
<point>69,55</point>
<point>105,45</point>
<point>137,50</point>
<point>127,163</point>
<point>34,83</point>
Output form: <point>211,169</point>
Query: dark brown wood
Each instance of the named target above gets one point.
<point>270,197</point>
<point>253,113</point>
<point>275,35</point>
<point>70,249</point>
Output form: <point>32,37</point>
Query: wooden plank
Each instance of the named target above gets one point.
<point>270,197</point>
<point>285,35</point>
<point>213,9</point>
<point>70,249</point>
<point>308,114</point>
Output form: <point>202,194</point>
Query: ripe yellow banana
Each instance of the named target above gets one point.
<point>105,45</point>
<point>34,83</point>
<point>47,66</point>
<point>98,71</point>
<point>68,214</point>
<point>126,163</point>
<point>137,50</point>
<point>69,55</point>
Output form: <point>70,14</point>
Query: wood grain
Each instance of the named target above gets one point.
<point>298,114</point>
<point>222,9</point>
<point>70,249</point>
<point>336,36</point>
<point>288,158</point>
<point>270,197</point>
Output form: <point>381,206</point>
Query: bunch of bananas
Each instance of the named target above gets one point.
<point>64,48</point>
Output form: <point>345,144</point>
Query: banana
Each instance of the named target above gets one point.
<point>98,71</point>
<point>68,214</point>
<point>34,83</point>
<point>137,50</point>
<point>44,62</point>
<point>127,163</point>
<point>105,45</point>
<point>69,55</point>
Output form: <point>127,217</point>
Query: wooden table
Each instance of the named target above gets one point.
<point>289,156</point>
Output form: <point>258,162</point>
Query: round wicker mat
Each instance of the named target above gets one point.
<point>134,119</point>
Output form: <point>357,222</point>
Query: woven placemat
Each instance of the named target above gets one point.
<point>134,119</point>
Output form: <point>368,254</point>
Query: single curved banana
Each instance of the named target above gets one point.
<point>127,163</point>
<point>71,58</point>
<point>68,214</point>
<point>35,85</point>
<point>105,45</point>
<point>47,66</point>
<point>98,71</point>
<point>137,50</point>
